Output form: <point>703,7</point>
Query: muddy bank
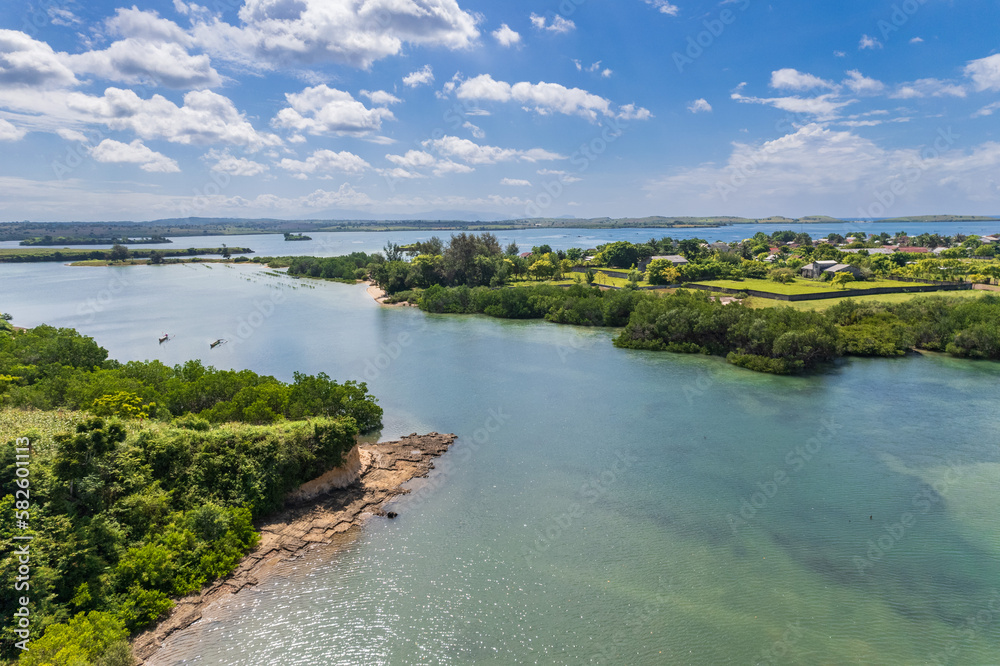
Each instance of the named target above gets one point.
<point>385,467</point>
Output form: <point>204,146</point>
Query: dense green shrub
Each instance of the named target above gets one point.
<point>127,519</point>
<point>129,512</point>
<point>60,368</point>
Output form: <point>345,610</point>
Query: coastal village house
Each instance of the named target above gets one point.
<point>844,268</point>
<point>675,259</point>
<point>872,251</point>
<point>816,268</point>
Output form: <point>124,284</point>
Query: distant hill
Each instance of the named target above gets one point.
<point>942,218</point>
<point>819,219</point>
<point>86,232</point>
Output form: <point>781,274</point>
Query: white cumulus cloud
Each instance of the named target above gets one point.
<point>26,62</point>
<point>985,72</point>
<point>421,77</point>
<point>413,159</point>
<point>9,132</point>
<point>987,110</point>
<point>664,7</point>
<point>559,24</point>
<point>111,151</point>
<point>823,107</point>
<point>546,98</point>
<point>699,106</point>
<point>861,84</point>
<point>381,97</point>
<point>147,25</point>
<point>792,79</point>
<point>836,168</point>
<point>506,36</point>
<point>324,110</point>
<point>143,61</point>
<point>280,33</point>
<point>235,166</point>
<point>325,161</point>
<point>868,42</point>
<point>471,152</point>
<point>928,88</point>
<point>205,118</point>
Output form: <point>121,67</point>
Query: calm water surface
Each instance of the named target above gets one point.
<point>602,506</point>
<point>325,244</point>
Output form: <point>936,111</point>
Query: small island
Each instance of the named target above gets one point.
<point>296,237</point>
<point>48,240</point>
<point>119,255</point>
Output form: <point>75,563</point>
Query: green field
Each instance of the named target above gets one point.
<point>801,286</point>
<point>601,279</point>
<point>826,303</point>
<point>532,283</point>
<point>34,251</point>
<point>604,280</point>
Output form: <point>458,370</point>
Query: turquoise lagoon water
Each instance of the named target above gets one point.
<point>602,506</point>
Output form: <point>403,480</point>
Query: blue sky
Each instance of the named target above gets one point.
<point>586,108</point>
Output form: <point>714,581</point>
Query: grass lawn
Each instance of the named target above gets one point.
<point>532,283</point>
<point>35,251</point>
<point>600,280</point>
<point>801,286</point>
<point>827,303</point>
<point>604,280</point>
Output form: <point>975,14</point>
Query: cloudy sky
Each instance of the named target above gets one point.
<point>363,108</point>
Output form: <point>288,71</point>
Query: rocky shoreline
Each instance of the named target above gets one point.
<point>385,467</point>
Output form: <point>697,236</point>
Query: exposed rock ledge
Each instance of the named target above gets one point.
<point>337,502</point>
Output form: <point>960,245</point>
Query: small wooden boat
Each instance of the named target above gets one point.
<point>218,342</point>
<point>164,338</point>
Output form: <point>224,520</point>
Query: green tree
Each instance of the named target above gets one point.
<point>691,249</point>
<point>426,270</point>
<point>95,638</point>
<point>393,252</point>
<point>542,269</point>
<point>843,279</point>
<point>620,254</point>
<point>123,404</point>
<point>662,271</point>
<point>155,257</point>
<point>781,275</point>
<point>119,252</point>
<point>881,265</point>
